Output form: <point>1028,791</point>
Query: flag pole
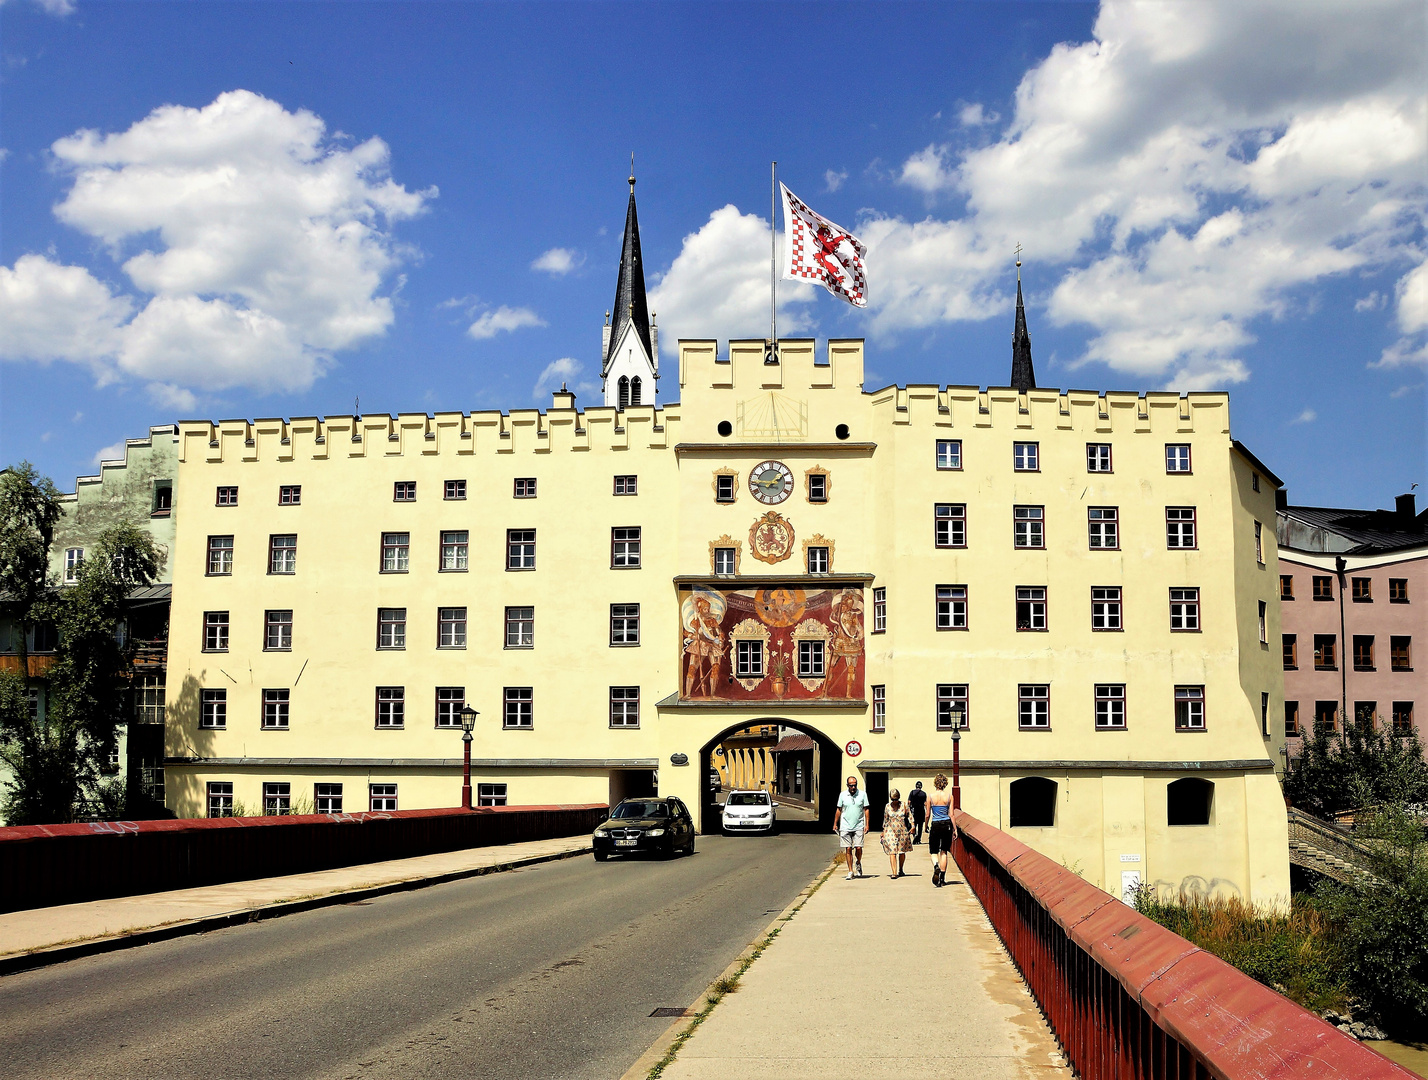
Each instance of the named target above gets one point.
<point>773,264</point>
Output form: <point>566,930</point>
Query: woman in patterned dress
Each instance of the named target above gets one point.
<point>897,832</point>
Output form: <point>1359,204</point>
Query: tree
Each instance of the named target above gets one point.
<point>1366,766</point>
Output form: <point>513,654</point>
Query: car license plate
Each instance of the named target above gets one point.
<point>626,843</point>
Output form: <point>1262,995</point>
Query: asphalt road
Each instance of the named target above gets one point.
<point>547,972</point>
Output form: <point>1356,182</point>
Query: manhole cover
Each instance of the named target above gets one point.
<point>667,1010</point>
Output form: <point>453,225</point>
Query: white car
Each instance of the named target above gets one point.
<point>749,811</point>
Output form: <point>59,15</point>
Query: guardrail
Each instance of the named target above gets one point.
<point>1329,841</point>
<point>1127,998</point>
<point>42,865</point>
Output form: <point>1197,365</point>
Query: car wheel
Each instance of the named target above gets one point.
<point>601,856</point>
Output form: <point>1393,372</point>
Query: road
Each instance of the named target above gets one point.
<point>551,971</point>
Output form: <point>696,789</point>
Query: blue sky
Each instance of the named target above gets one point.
<point>264,209</point>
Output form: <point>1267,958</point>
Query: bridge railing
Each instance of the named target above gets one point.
<point>1328,838</point>
<point>1128,999</point>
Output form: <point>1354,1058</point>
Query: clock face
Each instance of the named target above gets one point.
<point>771,482</point>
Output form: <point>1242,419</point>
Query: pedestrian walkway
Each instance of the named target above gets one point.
<point>878,978</point>
<point>69,924</point>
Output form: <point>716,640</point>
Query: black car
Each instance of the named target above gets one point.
<point>662,826</point>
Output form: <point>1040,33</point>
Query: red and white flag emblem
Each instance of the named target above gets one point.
<point>822,252</point>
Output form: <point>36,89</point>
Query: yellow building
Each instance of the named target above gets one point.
<point>1085,581</point>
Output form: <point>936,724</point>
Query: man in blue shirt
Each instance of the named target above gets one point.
<point>850,822</point>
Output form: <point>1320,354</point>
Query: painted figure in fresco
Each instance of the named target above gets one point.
<point>703,646</point>
<point>845,618</point>
<point>780,606</point>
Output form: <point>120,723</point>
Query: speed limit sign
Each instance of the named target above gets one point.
<point>854,748</point>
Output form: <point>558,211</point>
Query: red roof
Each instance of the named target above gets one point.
<point>799,741</point>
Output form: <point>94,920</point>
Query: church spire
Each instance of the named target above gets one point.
<point>1023,376</point>
<point>631,308</point>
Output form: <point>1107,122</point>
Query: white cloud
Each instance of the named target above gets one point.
<point>262,244</point>
<point>1374,301</point>
<point>112,452</point>
<point>54,312</point>
<point>559,261</point>
<point>974,115</point>
<point>503,320</point>
<point>57,8</point>
<point>563,372</point>
<point>1308,416</point>
<point>1404,391</point>
<point>832,180</point>
<point>1412,317</point>
<point>718,284</point>
<point>928,170</point>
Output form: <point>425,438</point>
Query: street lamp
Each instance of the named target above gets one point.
<point>958,714</point>
<point>468,722</point>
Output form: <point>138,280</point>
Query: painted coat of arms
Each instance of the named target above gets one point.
<point>771,538</point>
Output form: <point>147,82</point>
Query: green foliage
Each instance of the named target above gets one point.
<point>1364,766</point>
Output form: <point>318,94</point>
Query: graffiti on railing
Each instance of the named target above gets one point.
<point>116,828</point>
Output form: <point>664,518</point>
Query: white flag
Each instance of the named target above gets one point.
<point>822,252</point>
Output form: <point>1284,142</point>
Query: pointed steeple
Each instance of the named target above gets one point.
<point>630,304</point>
<point>1023,376</point>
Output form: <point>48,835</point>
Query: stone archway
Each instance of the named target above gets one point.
<point>756,766</point>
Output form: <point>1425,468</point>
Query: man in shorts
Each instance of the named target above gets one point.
<point>942,830</point>
<point>850,822</point>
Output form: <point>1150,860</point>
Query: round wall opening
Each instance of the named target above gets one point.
<point>841,431</point>
<point>725,428</point>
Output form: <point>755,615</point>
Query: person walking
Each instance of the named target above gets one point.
<point>850,822</point>
<point>897,832</point>
<point>917,803</point>
<point>942,831</point>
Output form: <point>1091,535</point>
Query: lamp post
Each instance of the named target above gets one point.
<point>957,716</point>
<point>468,721</point>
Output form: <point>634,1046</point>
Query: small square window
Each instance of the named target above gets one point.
<point>455,545</point>
<point>275,710</point>
<point>1291,720</point>
<point>327,798</point>
<point>724,560</point>
<point>220,798</point>
<point>215,631</point>
<point>277,799</point>
<point>1030,607</point>
<point>749,659</point>
<point>949,525</point>
<point>451,628</point>
<point>1185,609</point>
<point>1026,457</point>
<point>227,496</point>
<point>1400,653</point>
<point>949,453</point>
<point>382,798</point>
<point>391,706</point>
<point>1098,457</point>
<point>624,624</point>
<point>1325,652</point>
<point>525,487</point>
<point>391,628</point>
<point>520,549</point>
<point>817,487</point>
<point>880,610</point>
<point>1106,608</point>
<point>1323,588</point>
<point>453,490</point>
<point>1177,457</point>
<point>290,495</point>
<point>818,560</point>
<point>1397,590</point>
<point>213,714</point>
<point>1034,707</point>
<point>220,558</point>
<point>277,631</point>
<point>74,559</point>
<point>1179,527</point>
<point>396,552</point>
<point>724,487</point>
<point>519,707</point>
<point>404,491</point>
<point>1286,586</point>
<point>282,554</point>
<point>1402,719</point>
<point>951,607</point>
<point>810,659</point>
<point>1362,590</point>
<point>1189,708</point>
<point>163,498</point>
<point>627,485</point>
<point>952,710</point>
<point>490,794</point>
<point>1027,527</point>
<point>624,706</point>
<point>1290,645</point>
<point>880,708</point>
<point>1110,707</point>
<point>520,628</point>
<point>450,700</point>
<point>1103,525</point>
<point>625,548</point>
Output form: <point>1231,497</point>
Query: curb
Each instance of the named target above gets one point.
<point>706,1001</point>
<point>10,965</point>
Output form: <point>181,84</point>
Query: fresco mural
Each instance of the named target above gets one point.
<point>774,643</point>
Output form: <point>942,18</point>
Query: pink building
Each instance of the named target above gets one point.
<point>1354,611</point>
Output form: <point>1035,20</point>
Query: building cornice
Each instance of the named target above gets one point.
<point>1237,765</point>
<point>767,710</point>
<point>728,449</point>
<point>811,581</point>
<point>1326,560</point>
<point>415,763</point>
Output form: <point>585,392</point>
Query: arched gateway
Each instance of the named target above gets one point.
<point>792,760</point>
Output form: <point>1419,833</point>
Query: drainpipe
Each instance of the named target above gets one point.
<point>1344,650</point>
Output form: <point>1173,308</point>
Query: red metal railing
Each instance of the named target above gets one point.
<point>1127,998</point>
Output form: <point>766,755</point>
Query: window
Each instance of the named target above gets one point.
<point>1110,707</point>
<point>404,491</point>
<point>1400,653</point>
<point>1188,801</point>
<point>1098,457</point>
<point>1033,707</point>
<point>949,453</point>
<point>227,496</point>
<point>1189,708</point>
<point>1363,652</point>
<point>1365,715</point>
<point>625,548</point>
<point>163,498</point>
<point>624,624</point>
<point>1264,714</point>
<point>1027,527</point>
<point>1324,659</point>
<point>277,799</point>
<point>382,798</point>
<point>289,494</point>
<point>952,708</point>
<point>275,710</point>
<point>454,548</point>
<point>450,700</point>
<point>1185,609</point>
<point>220,798</point>
<point>1103,524</point>
<point>724,487</point>
<point>1026,457</point>
<point>1291,720</point>
<point>149,699</point>
<point>392,628</point>
<point>1032,802</point>
<point>724,560</point>
<point>74,559</point>
<point>749,659</point>
<point>1179,527</point>
<point>880,610</point>
<point>951,607</point>
<point>624,706</point>
<point>519,707</point>
<point>277,631</point>
<point>817,487</point>
<point>880,708</point>
<point>396,552</point>
<point>1362,590</point>
<point>1323,588</point>
<point>1402,719</point>
<point>1106,608</point>
<point>327,798</point>
<point>1254,481</point>
<point>215,631</point>
<point>453,490</point>
<point>1263,627</point>
<point>451,628</point>
<point>282,554</point>
<point>1286,586</point>
<point>1030,607</point>
<point>949,525</point>
<point>1259,543</point>
<point>525,487</point>
<point>1291,651</point>
<point>1397,590</point>
<point>490,794</point>
<point>1177,457</point>
<point>46,637</point>
<point>520,628</point>
<point>810,659</point>
<point>627,485</point>
<point>220,558</point>
<point>391,706</point>
<point>818,560</point>
<point>213,706</point>
<point>1326,717</point>
<point>520,549</point>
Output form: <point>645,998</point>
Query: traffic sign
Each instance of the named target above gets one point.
<point>854,748</point>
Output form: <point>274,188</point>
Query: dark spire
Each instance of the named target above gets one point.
<point>630,304</point>
<point>1023,376</point>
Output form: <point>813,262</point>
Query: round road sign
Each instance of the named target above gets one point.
<point>854,748</point>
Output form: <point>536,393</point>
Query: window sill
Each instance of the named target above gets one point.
<point>160,513</point>
<point>1103,549</point>
<point>1031,729</point>
<point>394,571</point>
<point>520,569</point>
<point>1398,601</point>
<point>211,573</point>
<point>1357,668</point>
<point>1112,729</point>
<point>515,727</point>
<point>947,629</point>
<point>1173,630</point>
<point>1108,630</point>
<point>288,650</point>
<point>209,727</point>
<point>1398,669</point>
<point>273,729</point>
<point>624,727</point>
<point>950,547</point>
<point>454,570</point>
<point>1362,600</point>
<point>216,651</point>
<point>279,573</point>
<point>391,648</point>
<point>388,727</point>
<point>624,644</point>
<point>636,566</point>
<point>1032,630</point>
<point>516,648</point>
<point>451,648</point>
<point>1190,731</point>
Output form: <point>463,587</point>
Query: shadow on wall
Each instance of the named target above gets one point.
<point>185,740</point>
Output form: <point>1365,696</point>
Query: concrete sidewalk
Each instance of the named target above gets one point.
<point>106,923</point>
<point>878,978</point>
